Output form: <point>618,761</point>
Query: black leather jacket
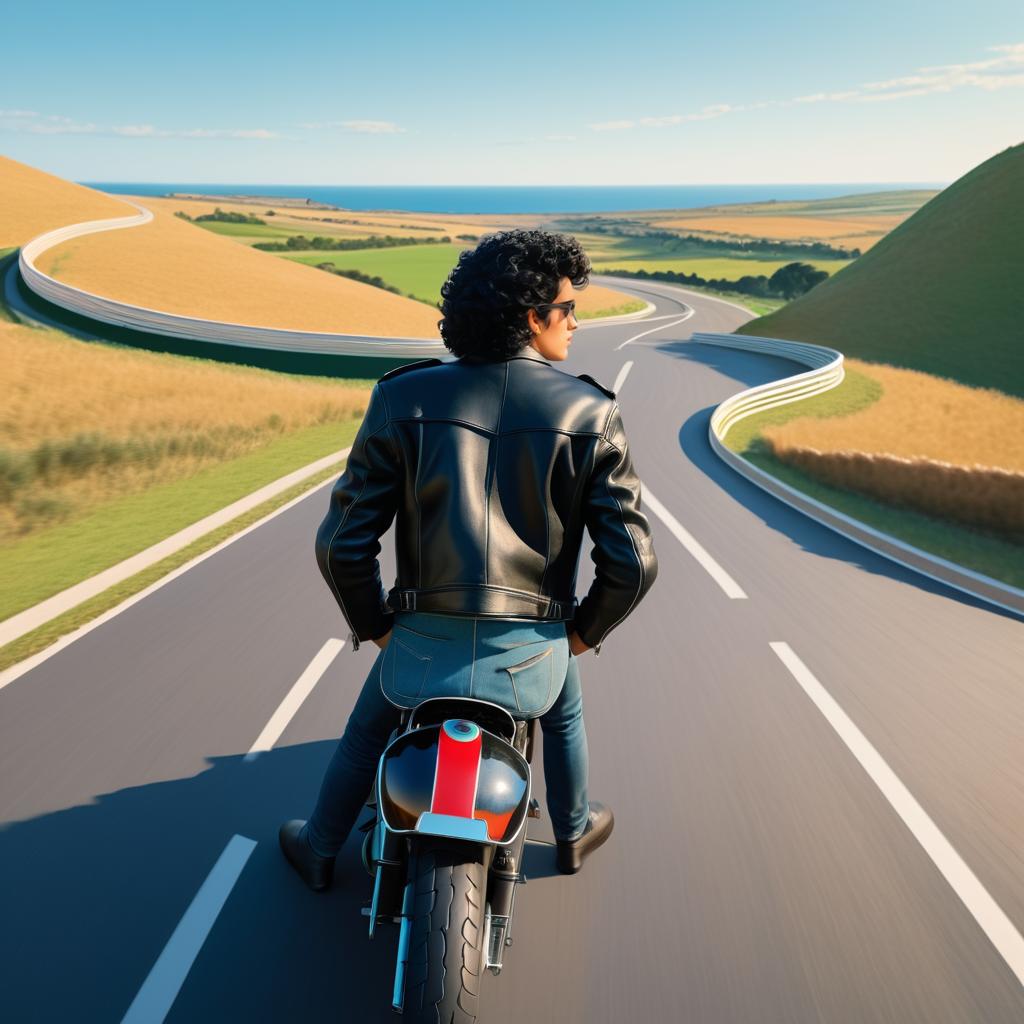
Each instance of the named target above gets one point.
<point>493,470</point>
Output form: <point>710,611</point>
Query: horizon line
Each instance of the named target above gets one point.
<point>687,184</point>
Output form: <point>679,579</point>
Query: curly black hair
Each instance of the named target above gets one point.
<point>490,290</point>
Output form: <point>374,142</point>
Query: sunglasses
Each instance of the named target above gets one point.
<point>569,307</point>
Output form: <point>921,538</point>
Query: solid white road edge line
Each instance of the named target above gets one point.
<point>714,570</point>
<point>623,374</point>
<point>296,695</point>
<point>975,897</point>
<point>31,618</point>
<point>643,334</point>
<point>154,1000</point>
<point>15,671</point>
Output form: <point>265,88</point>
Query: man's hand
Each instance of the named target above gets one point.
<point>382,641</point>
<point>576,645</point>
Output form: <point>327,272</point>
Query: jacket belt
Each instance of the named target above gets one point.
<point>481,602</point>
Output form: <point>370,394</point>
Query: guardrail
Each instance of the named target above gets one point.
<point>826,373</point>
<point>195,329</point>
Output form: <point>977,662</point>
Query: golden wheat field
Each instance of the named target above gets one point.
<point>860,233</point>
<point>33,202</point>
<point>175,267</point>
<point>83,422</point>
<point>591,300</point>
<point>920,416</point>
<point>927,443</point>
<point>325,222</point>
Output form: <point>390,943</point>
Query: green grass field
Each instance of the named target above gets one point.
<point>728,268</point>
<point>41,638</point>
<point>856,392</point>
<point>420,270</point>
<point>630,253</point>
<point>5,312</point>
<point>974,549</point>
<point>941,293</point>
<point>416,270</point>
<point>51,560</point>
<point>250,234</point>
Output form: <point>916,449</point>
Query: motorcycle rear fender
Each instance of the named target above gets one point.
<point>481,795</point>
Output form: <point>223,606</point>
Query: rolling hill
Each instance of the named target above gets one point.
<point>942,293</point>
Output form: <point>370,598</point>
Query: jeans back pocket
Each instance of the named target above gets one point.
<point>532,681</point>
<point>405,671</point>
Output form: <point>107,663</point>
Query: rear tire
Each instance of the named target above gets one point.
<point>446,955</point>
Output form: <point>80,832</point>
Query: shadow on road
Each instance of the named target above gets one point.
<point>749,368</point>
<point>94,892</point>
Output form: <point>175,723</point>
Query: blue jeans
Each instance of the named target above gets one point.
<point>525,666</point>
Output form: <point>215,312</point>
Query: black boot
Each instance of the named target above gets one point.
<point>316,871</point>
<point>571,853</point>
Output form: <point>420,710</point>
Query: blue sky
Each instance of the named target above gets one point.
<point>515,94</point>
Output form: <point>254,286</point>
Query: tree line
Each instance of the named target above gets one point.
<point>225,216</point>
<point>788,282</point>
<point>341,244</point>
<point>671,241</point>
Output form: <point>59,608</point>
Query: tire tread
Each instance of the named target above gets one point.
<point>447,933</point>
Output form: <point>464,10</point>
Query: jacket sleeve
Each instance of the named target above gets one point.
<point>363,504</point>
<point>623,554</point>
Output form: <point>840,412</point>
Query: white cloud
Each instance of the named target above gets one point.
<point>57,124</point>
<point>363,127</point>
<point>1005,71</point>
<point>139,131</point>
<point>822,97</point>
<point>372,127</point>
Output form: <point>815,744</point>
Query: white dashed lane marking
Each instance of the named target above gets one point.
<point>715,571</point>
<point>296,695</point>
<point>161,987</point>
<point>643,334</point>
<point>975,897</point>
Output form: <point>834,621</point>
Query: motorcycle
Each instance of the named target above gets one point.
<point>445,848</point>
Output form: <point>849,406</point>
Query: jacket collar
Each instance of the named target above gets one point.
<point>526,352</point>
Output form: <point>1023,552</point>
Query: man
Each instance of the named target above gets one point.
<point>494,464</point>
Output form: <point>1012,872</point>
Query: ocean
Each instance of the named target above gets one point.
<point>507,199</point>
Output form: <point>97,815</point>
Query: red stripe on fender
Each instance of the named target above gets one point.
<point>458,764</point>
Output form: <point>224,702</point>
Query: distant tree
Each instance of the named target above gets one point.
<point>358,275</point>
<point>230,217</point>
<point>795,279</point>
<point>182,214</point>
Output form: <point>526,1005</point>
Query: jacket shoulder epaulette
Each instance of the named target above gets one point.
<point>600,387</point>
<point>418,365</point>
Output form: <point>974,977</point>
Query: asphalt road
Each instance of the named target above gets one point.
<point>757,873</point>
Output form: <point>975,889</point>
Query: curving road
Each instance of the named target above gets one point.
<point>759,726</point>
